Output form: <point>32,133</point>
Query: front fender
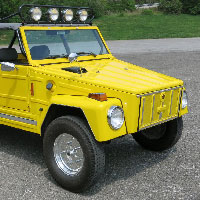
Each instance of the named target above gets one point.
<point>95,113</point>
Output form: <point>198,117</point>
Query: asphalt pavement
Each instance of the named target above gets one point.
<point>154,45</point>
<point>131,172</point>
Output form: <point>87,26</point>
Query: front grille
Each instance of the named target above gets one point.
<point>159,106</point>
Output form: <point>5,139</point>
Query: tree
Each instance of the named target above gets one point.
<point>191,6</point>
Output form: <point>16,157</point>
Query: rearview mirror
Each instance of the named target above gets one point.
<point>6,66</point>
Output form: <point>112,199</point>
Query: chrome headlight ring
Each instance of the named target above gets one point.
<point>115,117</point>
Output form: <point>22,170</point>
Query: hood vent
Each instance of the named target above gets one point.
<point>77,70</point>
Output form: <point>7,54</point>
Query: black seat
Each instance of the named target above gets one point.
<point>8,54</point>
<point>39,52</point>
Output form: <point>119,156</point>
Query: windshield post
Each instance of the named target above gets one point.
<point>65,44</point>
<point>13,40</point>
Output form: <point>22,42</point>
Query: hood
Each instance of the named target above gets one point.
<point>119,75</point>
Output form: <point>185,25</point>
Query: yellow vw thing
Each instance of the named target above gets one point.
<point>64,84</point>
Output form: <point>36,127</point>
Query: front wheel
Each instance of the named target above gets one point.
<point>73,157</point>
<point>160,137</point>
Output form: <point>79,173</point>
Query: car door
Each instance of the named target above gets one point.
<point>14,88</point>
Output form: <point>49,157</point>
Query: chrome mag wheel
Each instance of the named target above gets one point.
<point>68,154</point>
<point>73,156</point>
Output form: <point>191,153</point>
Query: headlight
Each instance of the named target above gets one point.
<point>83,15</point>
<point>184,100</point>
<point>115,117</point>
<point>36,13</point>
<point>53,14</point>
<point>67,15</point>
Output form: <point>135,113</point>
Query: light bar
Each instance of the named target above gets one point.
<point>68,15</point>
<point>83,15</point>
<point>53,14</point>
<point>36,13</point>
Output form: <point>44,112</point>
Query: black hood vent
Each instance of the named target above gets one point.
<point>77,70</point>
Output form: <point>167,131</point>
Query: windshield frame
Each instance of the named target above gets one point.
<point>60,60</point>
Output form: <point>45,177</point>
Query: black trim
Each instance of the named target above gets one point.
<point>13,40</point>
<point>53,63</point>
<point>69,62</point>
<point>24,64</point>
<point>9,16</point>
<point>20,43</point>
<point>139,114</point>
<point>93,59</point>
<point>180,102</point>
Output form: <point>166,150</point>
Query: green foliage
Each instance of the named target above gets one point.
<point>171,6</point>
<point>120,5</point>
<point>146,1</point>
<point>137,26</point>
<point>130,26</point>
<point>100,7</point>
<point>147,12</point>
<point>191,6</point>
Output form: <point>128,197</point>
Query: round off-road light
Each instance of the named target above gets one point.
<point>36,13</point>
<point>53,14</point>
<point>115,117</point>
<point>68,15</point>
<point>184,100</point>
<point>83,15</point>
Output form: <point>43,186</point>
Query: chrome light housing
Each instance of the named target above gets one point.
<point>115,117</point>
<point>83,15</point>
<point>68,15</point>
<point>184,100</point>
<point>53,14</point>
<point>36,13</point>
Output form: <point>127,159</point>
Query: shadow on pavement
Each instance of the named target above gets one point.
<point>124,158</point>
<point>21,144</point>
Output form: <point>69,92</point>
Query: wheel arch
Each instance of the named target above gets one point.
<point>56,110</point>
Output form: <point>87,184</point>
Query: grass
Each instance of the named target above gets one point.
<point>6,36</point>
<point>140,25</point>
<point>132,26</point>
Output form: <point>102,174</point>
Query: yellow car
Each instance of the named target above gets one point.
<point>67,86</point>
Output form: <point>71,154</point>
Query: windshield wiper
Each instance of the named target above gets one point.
<point>56,56</point>
<point>86,53</point>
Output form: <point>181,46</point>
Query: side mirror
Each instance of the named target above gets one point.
<point>72,57</point>
<point>8,67</point>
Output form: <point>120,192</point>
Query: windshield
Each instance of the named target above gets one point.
<point>44,44</point>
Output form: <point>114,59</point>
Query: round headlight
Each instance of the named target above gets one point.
<point>68,15</point>
<point>184,100</point>
<point>53,14</point>
<point>115,117</point>
<point>36,13</point>
<point>83,15</point>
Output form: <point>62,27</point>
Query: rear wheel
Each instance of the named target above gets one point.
<point>72,155</point>
<point>160,137</point>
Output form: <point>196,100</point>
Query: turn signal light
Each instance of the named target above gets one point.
<point>98,96</point>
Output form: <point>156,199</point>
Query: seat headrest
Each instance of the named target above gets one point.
<point>8,54</point>
<point>39,52</point>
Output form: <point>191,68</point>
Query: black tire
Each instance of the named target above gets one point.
<point>160,137</point>
<point>93,153</point>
